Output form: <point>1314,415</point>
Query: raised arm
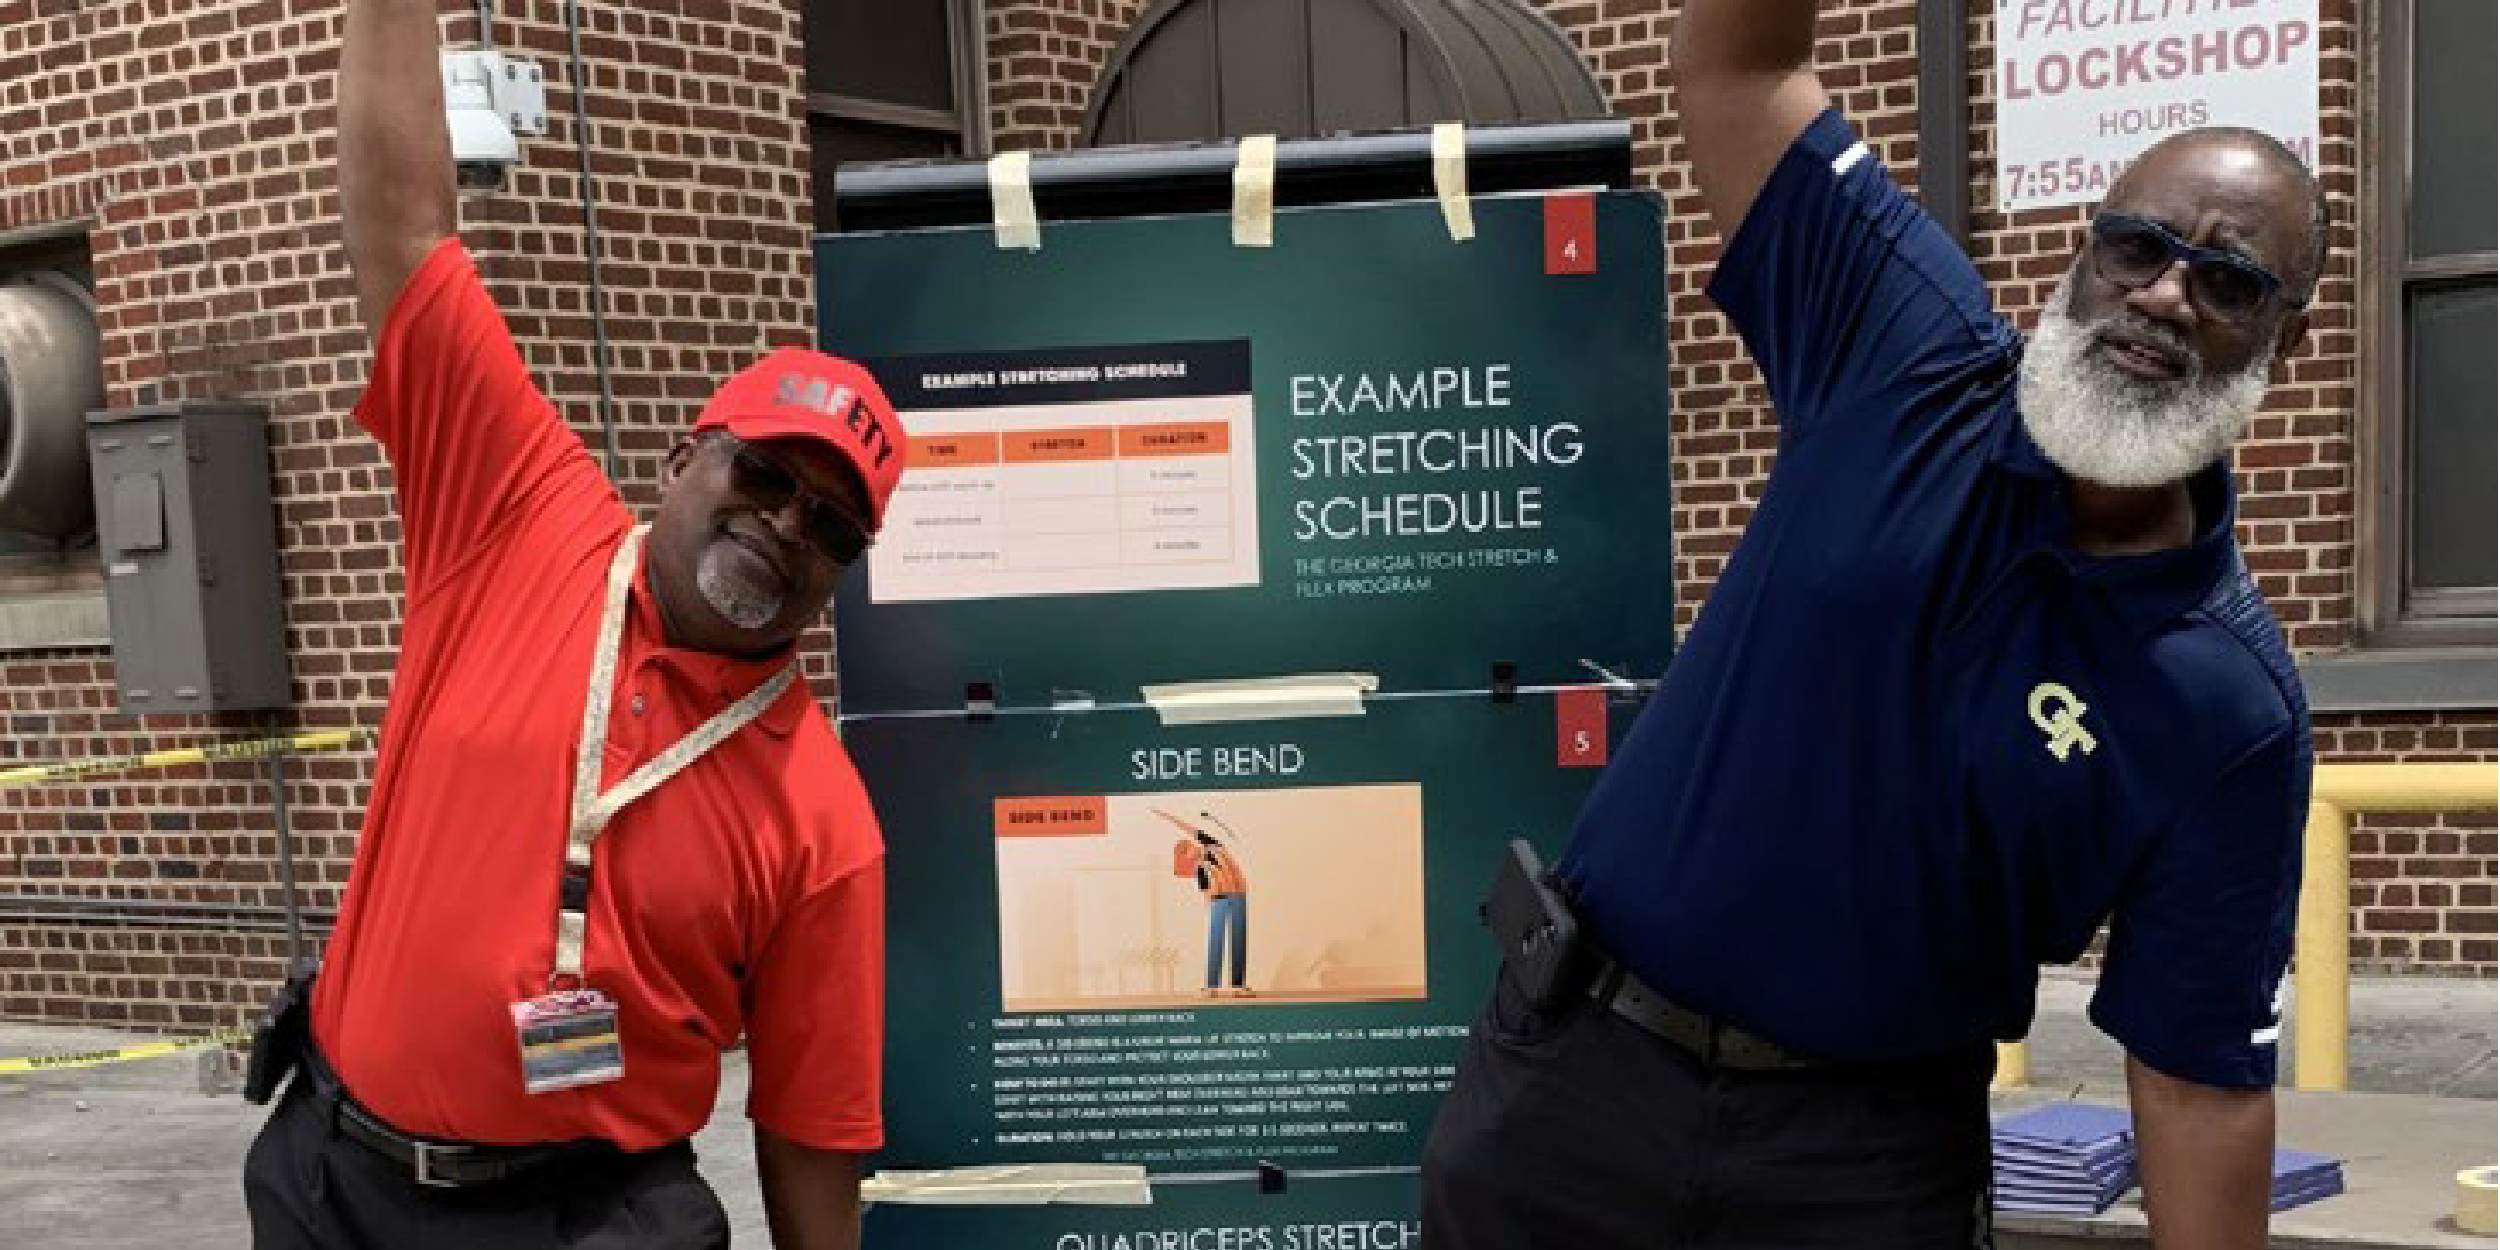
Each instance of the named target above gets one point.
<point>1744,89</point>
<point>395,175</point>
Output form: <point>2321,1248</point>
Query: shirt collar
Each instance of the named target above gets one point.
<point>2152,589</point>
<point>727,676</point>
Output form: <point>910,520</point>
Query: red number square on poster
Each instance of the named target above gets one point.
<point>1571,233</point>
<point>1580,728</point>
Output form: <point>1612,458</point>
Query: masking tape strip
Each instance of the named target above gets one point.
<point>1612,684</point>
<point>1168,1179</point>
<point>1449,178</point>
<point>1254,192</point>
<point>2478,1200</point>
<point>1014,1184</point>
<point>121,1054</point>
<point>1260,698</point>
<point>324,740</point>
<point>1011,202</point>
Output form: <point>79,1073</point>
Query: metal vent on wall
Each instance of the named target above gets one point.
<point>1213,69</point>
<point>51,376</point>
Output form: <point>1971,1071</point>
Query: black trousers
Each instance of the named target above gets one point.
<point>1577,1129</point>
<point>308,1188</point>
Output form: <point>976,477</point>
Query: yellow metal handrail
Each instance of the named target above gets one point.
<point>2322,948</point>
<point>2322,953</point>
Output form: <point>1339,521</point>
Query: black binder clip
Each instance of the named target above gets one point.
<point>573,889</point>
<point>980,700</point>
<point>1505,681</point>
<point>1271,1177</point>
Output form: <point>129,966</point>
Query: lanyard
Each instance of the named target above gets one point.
<point>593,808</point>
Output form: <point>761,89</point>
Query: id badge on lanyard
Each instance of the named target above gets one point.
<point>569,1036</point>
<point>568,1039</point>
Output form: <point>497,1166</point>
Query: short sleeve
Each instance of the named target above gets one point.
<point>470,438</point>
<point>816,1018</point>
<point>1850,298</point>
<point>2202,934</point>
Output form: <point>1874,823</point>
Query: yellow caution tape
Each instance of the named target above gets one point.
<point>121,1054</point>
<point>323,740</point>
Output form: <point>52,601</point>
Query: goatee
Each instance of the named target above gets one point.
<point>2103,425</point>
<point>732,594</point>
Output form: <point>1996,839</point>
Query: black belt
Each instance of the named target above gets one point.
<point>1707,1038</point>
<point>432,1162</point>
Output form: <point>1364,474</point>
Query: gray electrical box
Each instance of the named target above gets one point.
<point>190,547</point>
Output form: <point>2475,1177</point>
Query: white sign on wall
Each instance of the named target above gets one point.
<point>2085,86</point>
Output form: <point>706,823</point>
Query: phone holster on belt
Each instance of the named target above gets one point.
<point>1543,949</point>
<point>280,1035</point>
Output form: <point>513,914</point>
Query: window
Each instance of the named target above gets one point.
<point>890,81</point>
<point>2430,321</point>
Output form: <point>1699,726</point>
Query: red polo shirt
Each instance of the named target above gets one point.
<point>744,897</point>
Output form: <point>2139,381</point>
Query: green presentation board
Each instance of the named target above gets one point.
<point>1121,927</point>
<point>1052,943</point>
<point>1142,454</point>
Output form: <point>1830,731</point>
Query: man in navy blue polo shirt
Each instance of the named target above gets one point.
<point>1985,671</point>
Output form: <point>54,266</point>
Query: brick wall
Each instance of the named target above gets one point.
<point>1044,56</point>
<point>193,140</point>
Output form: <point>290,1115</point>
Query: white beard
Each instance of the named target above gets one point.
<point>737,598</point>
<point>2103,425</point>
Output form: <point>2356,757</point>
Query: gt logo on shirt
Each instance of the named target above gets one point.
<point>2059,714</point>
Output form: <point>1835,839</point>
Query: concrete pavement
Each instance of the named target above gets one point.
<point>134,1157</point>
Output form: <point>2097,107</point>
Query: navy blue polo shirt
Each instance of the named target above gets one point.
<point>1916,744</point>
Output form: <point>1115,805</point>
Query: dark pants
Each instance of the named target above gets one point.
<point>308,1187</point>
<point>1578,1129</point>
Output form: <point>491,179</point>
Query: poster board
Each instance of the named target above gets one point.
<point>1144,460</point>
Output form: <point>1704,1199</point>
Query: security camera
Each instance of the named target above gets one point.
<point>479,175</point>
<point>489,103</point>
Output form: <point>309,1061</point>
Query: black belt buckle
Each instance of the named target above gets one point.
<point>421,1161</point>
<point>443,1166</point>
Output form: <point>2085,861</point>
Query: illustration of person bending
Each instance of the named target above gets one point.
<point>1226,888</point>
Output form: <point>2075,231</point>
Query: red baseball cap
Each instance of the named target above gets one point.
<point>797,393</point>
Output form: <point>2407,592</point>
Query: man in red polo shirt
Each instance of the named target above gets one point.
<point>544,950</point>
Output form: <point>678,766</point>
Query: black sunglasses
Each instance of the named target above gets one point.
<point>764,482</point>
<point>2135,252</point>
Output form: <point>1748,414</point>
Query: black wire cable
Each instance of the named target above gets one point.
<point>590,225</point>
